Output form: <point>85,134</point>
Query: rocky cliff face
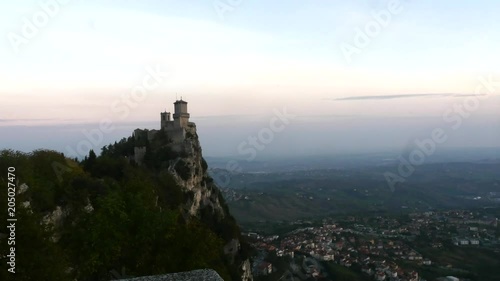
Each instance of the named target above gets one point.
<point>190,171</point>
<point>205,199</point>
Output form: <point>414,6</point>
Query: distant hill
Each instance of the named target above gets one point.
<point>283,163</point>
<point>291,195</point>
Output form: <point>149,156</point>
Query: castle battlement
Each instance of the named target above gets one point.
<point>181,116</point>
<point>175,128</point>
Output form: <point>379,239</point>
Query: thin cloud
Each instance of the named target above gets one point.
<point>26,120</point>
<point>387,97</point>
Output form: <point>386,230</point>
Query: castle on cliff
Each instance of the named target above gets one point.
<point>175,130</point>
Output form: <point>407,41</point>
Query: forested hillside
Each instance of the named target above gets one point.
<point>108,215</point>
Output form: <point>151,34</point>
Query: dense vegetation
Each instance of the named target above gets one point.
<point>118,217</point>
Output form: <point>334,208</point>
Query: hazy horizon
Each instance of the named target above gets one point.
<point>221,137</point>
<point>358,76</point>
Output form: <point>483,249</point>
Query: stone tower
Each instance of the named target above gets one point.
<point>181,115</point>
<point>165,118</point>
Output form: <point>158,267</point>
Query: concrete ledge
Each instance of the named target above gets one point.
<point>195,275</point>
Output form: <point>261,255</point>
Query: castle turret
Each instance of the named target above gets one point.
<point>181,115</point>
<point>165,117</point>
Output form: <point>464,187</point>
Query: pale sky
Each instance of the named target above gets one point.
<point>246,58</point>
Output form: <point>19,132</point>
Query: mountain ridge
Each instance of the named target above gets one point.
<point>109,212</point>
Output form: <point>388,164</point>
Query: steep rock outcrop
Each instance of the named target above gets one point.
<point>190,171</point>
<point>205,200</point>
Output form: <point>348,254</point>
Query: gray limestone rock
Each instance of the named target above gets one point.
<point>196,275</point>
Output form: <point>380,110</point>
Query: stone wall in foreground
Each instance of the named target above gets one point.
<point>195,275</point>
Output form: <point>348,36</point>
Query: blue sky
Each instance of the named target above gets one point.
<point>258,56</point>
